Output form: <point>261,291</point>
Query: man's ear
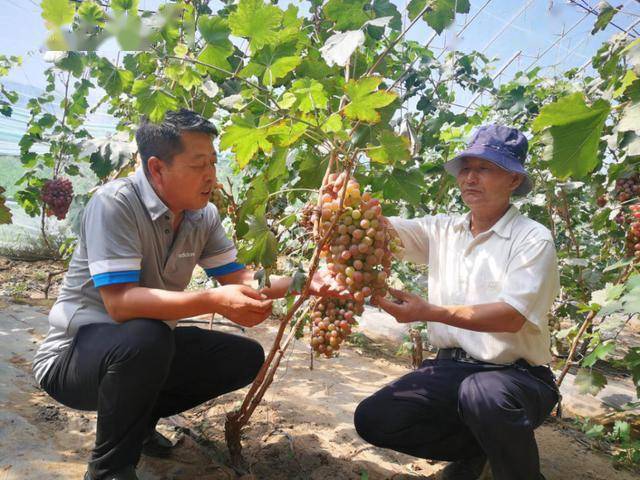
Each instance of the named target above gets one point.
<point>156,168</point>
<point>516,181</point>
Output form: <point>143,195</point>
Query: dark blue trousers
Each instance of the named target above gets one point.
<point>137,372</point>
<point>452,410</point>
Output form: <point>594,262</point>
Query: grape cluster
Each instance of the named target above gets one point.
<point>628,187</point>
<point>57,195</point>
<point>332,322</point>
<point>358,256</point>
<point>217,198</point>
<point>633,234</point>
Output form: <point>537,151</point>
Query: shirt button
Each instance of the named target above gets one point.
<point>166,217</point>
<point>167,231</point>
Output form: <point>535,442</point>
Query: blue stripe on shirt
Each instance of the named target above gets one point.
<point>224,269</point>
<point>111,278</point>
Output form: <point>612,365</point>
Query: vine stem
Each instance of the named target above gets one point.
<point>236,420</point>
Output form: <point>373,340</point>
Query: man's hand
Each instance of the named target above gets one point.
<point>407,307</point>
<point>324,285</point>
<point>241,304</point>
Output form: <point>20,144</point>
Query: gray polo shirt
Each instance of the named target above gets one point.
<point>126,237</point>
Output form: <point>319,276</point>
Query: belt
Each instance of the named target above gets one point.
<point>460,355</point>
<point>456,354</point>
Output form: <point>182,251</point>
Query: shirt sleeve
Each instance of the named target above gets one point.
<point>532,281</point>
<point>414,235</point>
<point>112,240</point>
<point>219,256</point>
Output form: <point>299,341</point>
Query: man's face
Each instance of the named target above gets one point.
<point>187,182</point>
<point>483,183</point>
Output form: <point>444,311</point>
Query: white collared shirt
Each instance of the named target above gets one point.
<point>513,262</point>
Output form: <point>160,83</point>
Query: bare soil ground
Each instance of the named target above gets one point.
<point>302,430</point>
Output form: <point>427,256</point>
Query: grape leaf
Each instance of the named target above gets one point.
<point>601,352</point>
<point>215,31</point>
<point>215,58</point>
<point>347,14</point>
<point>262,247</point>
<point>244,137</point>
<point>572,132</point>
<point>604,17</point>
<point>125,5</point>
<point>57,12</point>
<point>306,95</point>
<point>5,213</point>
<point>441,12</point>
<point>258,22</point>
<point>91,13</point>
<point>589,381</point>
<point>392,148</point>
<point>365,99</point>
<point>403,185</point>
<point>152,100</point>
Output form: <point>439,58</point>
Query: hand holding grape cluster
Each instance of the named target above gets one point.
<point>358,256</point>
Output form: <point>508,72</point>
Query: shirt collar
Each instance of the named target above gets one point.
<point>152,202</point>
<point>502,227</point>
<point>154,205</point>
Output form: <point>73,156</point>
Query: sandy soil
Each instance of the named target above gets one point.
<point>302,430</point>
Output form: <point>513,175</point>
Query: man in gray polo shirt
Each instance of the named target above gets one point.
<point>112,344</point>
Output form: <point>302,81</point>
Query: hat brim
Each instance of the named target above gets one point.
<point>506,162</point>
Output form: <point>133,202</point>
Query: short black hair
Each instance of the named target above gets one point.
<point>163,139</point>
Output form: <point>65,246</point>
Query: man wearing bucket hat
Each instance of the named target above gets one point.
<point>493,277</point>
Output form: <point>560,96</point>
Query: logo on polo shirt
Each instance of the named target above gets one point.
<point>186,254</point>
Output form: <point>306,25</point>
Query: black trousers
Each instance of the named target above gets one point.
<point>139,371</point>
<point>452,410</point>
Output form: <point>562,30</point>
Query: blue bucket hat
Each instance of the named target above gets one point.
<point>505,146</point>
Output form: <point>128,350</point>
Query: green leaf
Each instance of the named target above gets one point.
<point>279,69</point>
<point>441,12</point>
<point>392,148</point>
<point>215,58</point>
<point>403,185</point>
<point>71,62</point>
<point>244,137</point>
<point>57,12</point>
<point>607,295</point>
<point>308,95</point>
<point>5,213</point>
<point>601,352</point>
<point>332,124</point>
<point>257,21</point>
<point>125,5</point>
<point>262,245</point>
<point>286,133</point>
<point>91,13</point>
<point>365,99</point>
<point>627,80</point>
<point>152,101</point>
<point>347,14</point>
<point>589,381</point>
<point>572,133</point>
<point>604,17</point>
<point>384,8</point>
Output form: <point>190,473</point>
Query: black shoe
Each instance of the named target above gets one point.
<point>127,473</point>
<point>475,468</point>
<point>157,445</point>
